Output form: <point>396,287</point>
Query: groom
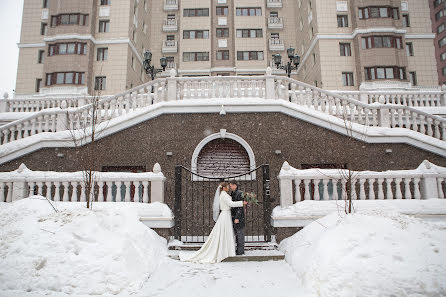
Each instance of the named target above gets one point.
<point>238,218</point>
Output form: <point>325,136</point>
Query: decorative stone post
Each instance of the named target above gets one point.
<point>383,113</point>
<point>428,182</point>
<point>286,186</point>
<point>269,85</point>
<point>172,86</point>
<point>157,185</point>
<point>4,104</point>
<point>62,118</point>
<point>19,187</point>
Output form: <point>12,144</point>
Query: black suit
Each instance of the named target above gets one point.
<point>238,213</point>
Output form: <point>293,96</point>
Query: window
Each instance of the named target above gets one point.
<point>40,56</point>
<point>378,12</point>
<point>222,32</point>
<point>345,49</point>
<point>342,21</point>
<point>102,54</point>
<point>249,55</point>
<point>69,19</point>
<point>222,10</point>
<point>409,49</point>
<point>443,56</point>
<point>223,55</point>
<point>196,12</point>
<point>440,28</point>
<point>45,5</point>
<point>67,48</point>
<point>195,34</point>
<point>105,2</point>
<point>347,78</point>
<point>43,28</point>
<point>406,20</point>
<point>381,42</point>
<point>413,78</point>
<point>444,70</point>
<point>248,11</point>
<point>385,72</point>
<point>38,84</point>
<point>249,33</point>
<point>195,56</point>
<point>439,14</point>
<point>100,82</point>
<point>442,41</point>
<point>104,26</point>
<point>59,78</point>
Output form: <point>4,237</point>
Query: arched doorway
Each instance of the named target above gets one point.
<point>222,157</point>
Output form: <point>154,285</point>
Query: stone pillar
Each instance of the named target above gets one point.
<point>286,186</point>
<point>443,96</point>
<point>269,85</point>
<point>157,185</point>
<point>383,113</point>
<point>172,86</point>
<point>19,186</point>
<point>428,182</point>
<point>62,118</point>
<point>4,104</point>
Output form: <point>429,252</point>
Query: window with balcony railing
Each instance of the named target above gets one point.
<point>65,78</point>
<point>381,42</point>
<point>248,11</point>
<point>378,12</point>
<point>67,48</point>
<point>385,72</point>
<point>69,19</point>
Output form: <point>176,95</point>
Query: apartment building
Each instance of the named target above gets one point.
<point>366,44</point>
<point>91,47</point>
<point>438,17</point>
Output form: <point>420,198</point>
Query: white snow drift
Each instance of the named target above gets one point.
<point>75,251</point>
<point>369,254</point>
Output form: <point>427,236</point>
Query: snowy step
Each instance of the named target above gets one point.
<point>179,246</point>
<point>249,256</point>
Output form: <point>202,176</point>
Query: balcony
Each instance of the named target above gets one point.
<point>276,45</point>
<point>274,3</point>
<point>170,5</point>
<point>275,23</point>
<point>170,25</point>
<point>170,47</point>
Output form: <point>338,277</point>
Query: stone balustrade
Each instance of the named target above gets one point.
<point>425,182</point>
<point>267,87</point>
<point>144,187</point>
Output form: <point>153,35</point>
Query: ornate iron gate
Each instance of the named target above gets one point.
<point>194,195</point>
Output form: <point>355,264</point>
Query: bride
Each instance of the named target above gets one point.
<point>220,243</point>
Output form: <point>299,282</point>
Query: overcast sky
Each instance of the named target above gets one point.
<point>10,21</point>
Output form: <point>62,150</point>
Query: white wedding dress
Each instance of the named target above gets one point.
<point>220,243</point>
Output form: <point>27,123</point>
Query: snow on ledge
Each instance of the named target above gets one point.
<point>303,213</point>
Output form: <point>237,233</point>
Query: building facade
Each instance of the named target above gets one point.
<point>361,44</point>
<point>438,16</point>
<point>96,47</point>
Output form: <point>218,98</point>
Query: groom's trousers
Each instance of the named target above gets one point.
<point>240,240</point>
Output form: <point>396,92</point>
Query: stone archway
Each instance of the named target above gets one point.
<point>223,154</point>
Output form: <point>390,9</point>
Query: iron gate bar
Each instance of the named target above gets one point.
<point>185,210</point>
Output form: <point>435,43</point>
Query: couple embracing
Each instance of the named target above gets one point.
<point>229,215</point>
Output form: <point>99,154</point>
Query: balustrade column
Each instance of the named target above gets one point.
<point>380,189</point>
<point>407,193</point>
<point>101,191</point>
<point>371,182</point>
<point>398,192</point>
<point>145,196</point>
<point>127,191</point>
<point>316,190</point>
<point>65,197</point>
<point>307,195</point>
<point>389,195</point>
<point>325,195</point>
<point>361,189</point>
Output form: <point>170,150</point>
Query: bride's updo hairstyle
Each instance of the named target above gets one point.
<point>223,185</point>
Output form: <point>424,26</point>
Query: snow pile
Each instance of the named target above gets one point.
<point>369,254</point>
<point>75,251</point>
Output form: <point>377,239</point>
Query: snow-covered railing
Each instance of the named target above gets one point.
<point>65,118</point>
<point>427,181</point>
<point>419,98</point>
<point>267,87</point>
<point>38,104</point>
<point>143,187</point>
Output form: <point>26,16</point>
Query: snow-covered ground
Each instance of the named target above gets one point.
<point>108,251</point>
<point>371,253</point>
<point>75,251</point>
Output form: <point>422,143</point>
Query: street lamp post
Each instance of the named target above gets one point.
<point>293,63</point>
<point>150,69</point>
